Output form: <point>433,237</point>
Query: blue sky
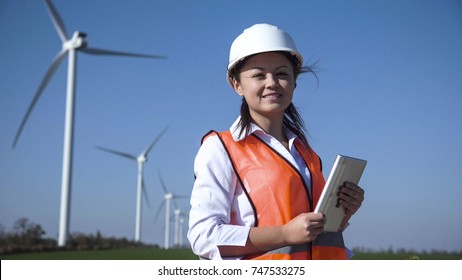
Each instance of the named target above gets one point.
<point>389,91</point>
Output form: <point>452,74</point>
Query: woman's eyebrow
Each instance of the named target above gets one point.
<point>263,68</point>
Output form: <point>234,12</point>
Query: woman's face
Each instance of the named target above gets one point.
<point>267,83</point>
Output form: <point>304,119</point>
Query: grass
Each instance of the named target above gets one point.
<point>187,254</point>
<point>406,256</point>
<point>118,254</point>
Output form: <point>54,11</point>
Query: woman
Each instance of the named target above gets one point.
<point>257,184</point>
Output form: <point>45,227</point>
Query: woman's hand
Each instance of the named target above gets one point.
<point>303,228</point>
<point>351,196</point>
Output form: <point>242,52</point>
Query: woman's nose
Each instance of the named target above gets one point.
<point>271,81</point>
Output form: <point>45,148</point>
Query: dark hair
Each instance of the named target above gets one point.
<point>292,119</point>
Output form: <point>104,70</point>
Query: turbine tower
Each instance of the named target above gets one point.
<point>168,198</point>
<point>78,42</point>
<point>180,238</point>
<point>141,159</point>
<point>179,220</point>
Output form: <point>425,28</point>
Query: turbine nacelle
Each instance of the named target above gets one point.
<point>78,41</point>
<point>142,158</point>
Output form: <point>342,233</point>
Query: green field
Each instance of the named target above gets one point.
<point>187,254</point>
<point>405,256</point>
<point>119,254</point>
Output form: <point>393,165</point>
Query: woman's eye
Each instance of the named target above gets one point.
<point>259,75</point>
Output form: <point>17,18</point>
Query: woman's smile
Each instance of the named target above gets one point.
<point>272,96</point>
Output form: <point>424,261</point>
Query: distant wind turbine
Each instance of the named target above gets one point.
<point>77,42</point>
<point>168,198</point>
<point>141,159</point>
<point>179,220</point>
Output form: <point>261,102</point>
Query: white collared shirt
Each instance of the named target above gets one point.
<point>221,213</point>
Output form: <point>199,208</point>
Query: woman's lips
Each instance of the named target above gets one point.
<point>272,95</point>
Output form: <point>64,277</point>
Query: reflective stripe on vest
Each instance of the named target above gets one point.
<point>257,167</point>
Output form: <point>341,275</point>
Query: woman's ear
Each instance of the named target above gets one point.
<point>237,87</point>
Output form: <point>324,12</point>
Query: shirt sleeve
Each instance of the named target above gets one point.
<point>211,202</point>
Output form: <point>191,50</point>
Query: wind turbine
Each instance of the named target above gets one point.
<point>78,42</point>
<point>141,159</point>
<point>168,198</point>
<point>180,239</point>
<point>179,220</point>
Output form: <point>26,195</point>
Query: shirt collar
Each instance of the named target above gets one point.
<point>235,130</point>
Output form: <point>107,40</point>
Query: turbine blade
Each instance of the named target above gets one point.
<point>51,70</point>
<point>57,21</point>
<point>162,183</point>
<point>109,52</point>
<point>117,153</point>
<point>158,211</point>
<point>148,149</point>
<point>145,193</point>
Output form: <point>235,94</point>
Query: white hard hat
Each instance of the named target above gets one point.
<point>261,38</point>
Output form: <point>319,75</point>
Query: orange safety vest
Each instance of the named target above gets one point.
<point>277,193</point>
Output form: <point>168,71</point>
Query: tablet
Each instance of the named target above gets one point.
<point>345,169</point>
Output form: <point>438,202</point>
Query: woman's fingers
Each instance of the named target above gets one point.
<point>351,197</point>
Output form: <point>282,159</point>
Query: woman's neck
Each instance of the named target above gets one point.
<point>272,126</point>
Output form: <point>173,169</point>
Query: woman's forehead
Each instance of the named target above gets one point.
<point>268,60</point>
